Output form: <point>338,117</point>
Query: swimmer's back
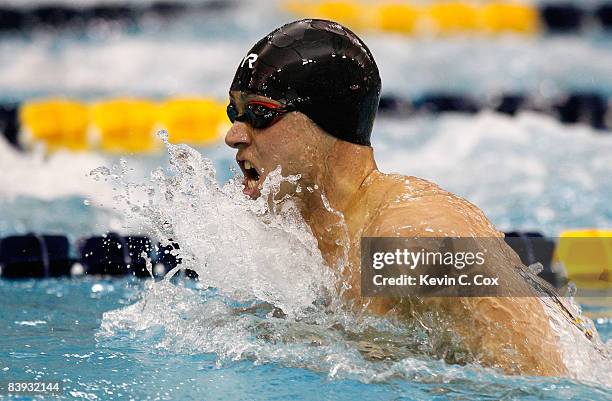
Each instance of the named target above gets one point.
<point>513,333</point>
<point>412,206</point>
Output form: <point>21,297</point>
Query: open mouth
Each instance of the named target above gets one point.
<point>251,178</point>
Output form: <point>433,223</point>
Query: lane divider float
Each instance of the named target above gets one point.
<point>44,256</point>
<point>457,17</point>
<point>586,256</point>
<point>124,125</point>
<point>583,257</point>
<point>129,125</point>
<point>61,14</point>
<point>407,17</point>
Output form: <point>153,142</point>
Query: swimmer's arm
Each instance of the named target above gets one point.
<point>510,333</point>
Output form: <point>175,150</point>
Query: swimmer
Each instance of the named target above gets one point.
<point>304,98</point>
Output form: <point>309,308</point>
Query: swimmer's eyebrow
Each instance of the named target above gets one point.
<point>246,98</point>
<point>258,98</point>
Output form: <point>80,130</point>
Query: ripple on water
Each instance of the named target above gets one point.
<point>239,249</point>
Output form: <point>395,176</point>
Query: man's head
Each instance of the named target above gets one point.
<point>305,85</point>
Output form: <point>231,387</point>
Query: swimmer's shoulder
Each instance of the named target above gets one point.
<point>416,207</point>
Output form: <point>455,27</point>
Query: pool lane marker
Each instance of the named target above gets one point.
<point>409,17</point>
<point>26,18</point>
<point>45,256</point>
<point>443,18</point>
<point>581,256</point>
<point>129,125</point>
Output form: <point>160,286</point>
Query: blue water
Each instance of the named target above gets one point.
<point>527,172</point>
<point>49,333</point>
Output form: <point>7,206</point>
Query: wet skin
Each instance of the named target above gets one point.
<point>511,333</point>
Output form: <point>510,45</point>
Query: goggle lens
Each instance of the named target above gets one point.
<point>258,115</point>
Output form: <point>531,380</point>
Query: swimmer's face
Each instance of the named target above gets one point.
<point>290,142</point>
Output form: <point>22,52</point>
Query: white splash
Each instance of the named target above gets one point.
<point>264,292</point>
<point>236,245</point>
<point>49,176</point>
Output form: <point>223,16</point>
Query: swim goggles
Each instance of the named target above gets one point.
<point>258,114</point>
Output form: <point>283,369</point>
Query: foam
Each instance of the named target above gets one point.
<point>35,174</point>
<point>527,172</point>
<point>181,62</point>
<point>539,66</point>
<point>247,252</point>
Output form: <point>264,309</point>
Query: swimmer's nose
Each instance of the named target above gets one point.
<point>238,135</point>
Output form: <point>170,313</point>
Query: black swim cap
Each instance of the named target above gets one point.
<point>320,68</point>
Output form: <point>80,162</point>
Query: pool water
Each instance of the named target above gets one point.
<point>546,187</point>
<point>178,339</point>
<point>51,331</point>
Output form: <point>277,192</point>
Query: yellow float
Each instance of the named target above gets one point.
<point>193,120</point>
<point>58,123</point>
<point>587,257</point>
<point>125,125</point>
